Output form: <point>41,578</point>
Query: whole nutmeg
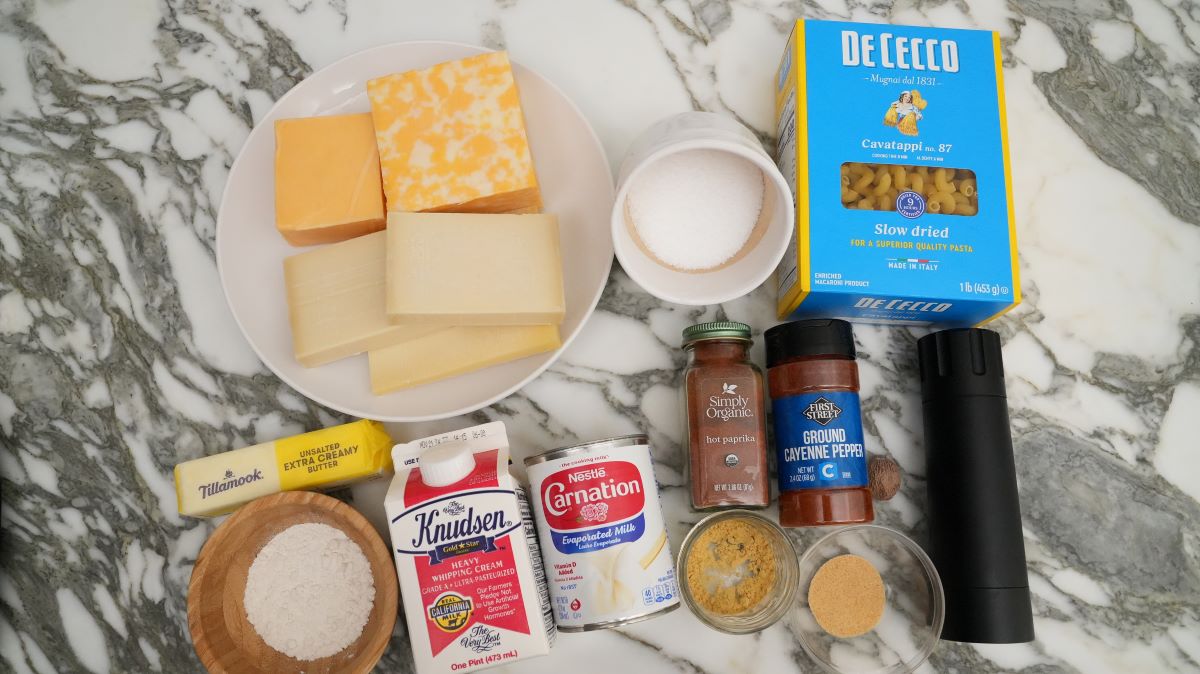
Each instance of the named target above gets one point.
<point>883,474</point>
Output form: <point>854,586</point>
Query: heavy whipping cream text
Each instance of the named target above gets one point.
<point>602,533</point>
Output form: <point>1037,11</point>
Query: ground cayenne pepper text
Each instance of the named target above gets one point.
<point>726,421</point>
<point>822,461</point>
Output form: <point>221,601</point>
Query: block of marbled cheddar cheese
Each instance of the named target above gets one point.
<point>452,138</point>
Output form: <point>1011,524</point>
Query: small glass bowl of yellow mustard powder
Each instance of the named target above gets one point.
<point>738,572</point>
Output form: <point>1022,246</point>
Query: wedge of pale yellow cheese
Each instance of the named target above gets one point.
<point>327,184</point>
<point>474,269</point>
<point>452,138</point>
<point>455,351</point>
<point>336,298</point>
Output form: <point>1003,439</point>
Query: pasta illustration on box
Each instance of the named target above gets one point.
<point>910,220</point>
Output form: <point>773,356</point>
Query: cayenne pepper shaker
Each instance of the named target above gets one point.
<point>726,425</point>
<point>822,462</point>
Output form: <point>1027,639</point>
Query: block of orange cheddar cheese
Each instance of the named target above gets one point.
<point>327,186</point>
<point>452,138</point>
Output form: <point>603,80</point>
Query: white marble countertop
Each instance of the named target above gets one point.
<point>118,358</point>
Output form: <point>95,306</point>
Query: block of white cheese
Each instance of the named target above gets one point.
<point>474,269</point>
<point>336,301</point>
<point>455,351</point>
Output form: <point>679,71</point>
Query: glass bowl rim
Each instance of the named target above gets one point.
<point>791,581</point>
<point>937,608</point>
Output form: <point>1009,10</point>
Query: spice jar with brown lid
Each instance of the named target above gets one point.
<point>822,462</point>
<point>726,425</point>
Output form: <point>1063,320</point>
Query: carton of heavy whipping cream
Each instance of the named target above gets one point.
<point>895,143</point>
<point>471,578</point>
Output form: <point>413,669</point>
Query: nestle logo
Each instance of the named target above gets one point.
<point>822,411</point>
<point>585,475</point>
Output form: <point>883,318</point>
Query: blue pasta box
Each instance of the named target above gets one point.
<point>894,139</point>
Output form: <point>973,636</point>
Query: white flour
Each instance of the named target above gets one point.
<point>309,591</point>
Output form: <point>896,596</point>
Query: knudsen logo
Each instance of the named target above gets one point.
<point>570,497</point>
<point>893,51</point>
<point>435,527</point>
<point>822,411</point>
<point>230,482</point>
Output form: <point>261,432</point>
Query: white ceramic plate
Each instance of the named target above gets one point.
<point>576,186</point>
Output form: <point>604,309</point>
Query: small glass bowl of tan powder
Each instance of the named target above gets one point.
<point>858,584</point>
<point>738,571</point>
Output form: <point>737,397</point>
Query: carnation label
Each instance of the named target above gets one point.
<point>466,554</point>
<point>602,533</point>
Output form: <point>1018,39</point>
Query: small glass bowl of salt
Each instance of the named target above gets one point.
<point>702,214</point>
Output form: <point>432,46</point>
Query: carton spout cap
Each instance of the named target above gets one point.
<point>446,464</point>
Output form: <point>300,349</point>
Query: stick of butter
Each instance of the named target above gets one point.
<point>324,459</point>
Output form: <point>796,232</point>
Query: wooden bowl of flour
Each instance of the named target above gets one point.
<point>225,640</point>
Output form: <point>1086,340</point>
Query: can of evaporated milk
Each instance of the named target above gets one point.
<point>602,533</point>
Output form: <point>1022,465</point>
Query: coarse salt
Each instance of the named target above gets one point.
<point>695,210</point>
<point>309,591</point>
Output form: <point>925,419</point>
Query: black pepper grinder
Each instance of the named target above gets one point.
<point>975,536</point>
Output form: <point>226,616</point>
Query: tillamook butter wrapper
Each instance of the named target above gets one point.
<point>324,459</point>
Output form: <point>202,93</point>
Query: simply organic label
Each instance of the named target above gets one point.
<point>730,429</point>
<point>820,441</point>
<point>730,401</point>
